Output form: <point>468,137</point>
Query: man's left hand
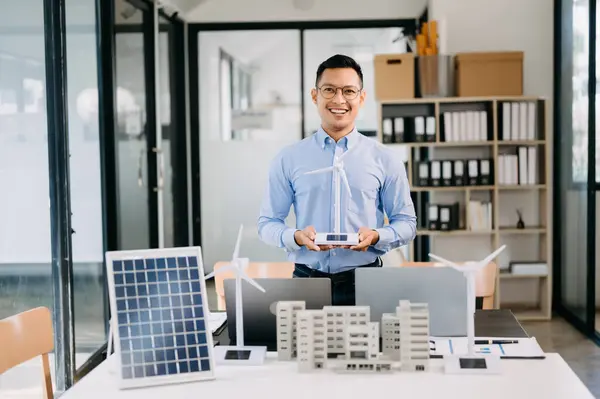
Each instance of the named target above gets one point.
<point>366,238</point>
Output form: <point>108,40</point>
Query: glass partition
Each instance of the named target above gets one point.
<point>250,108</point>
<point>86,196</point>
<point>25,256</point>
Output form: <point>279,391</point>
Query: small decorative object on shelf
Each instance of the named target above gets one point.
<point>520,223</point>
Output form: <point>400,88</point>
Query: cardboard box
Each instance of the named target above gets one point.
<point>394,76</point>
<point>489,74</point>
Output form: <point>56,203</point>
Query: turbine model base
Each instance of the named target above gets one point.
<point>475,364</point>
<point>336,239</point>
<point>240,355</point>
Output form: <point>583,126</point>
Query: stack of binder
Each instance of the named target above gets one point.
<point>454,173</point>
<point>418,129</point>
<point>443,217</point>
<point>465,126</point>
<point>519,168</point>
<point>518,121</point>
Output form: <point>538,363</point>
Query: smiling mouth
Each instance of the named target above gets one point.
<point>338,111</point>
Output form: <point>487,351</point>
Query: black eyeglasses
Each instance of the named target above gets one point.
<point>349,92</point>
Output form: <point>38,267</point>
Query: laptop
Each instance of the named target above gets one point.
<point>260,324</point>
<point>444,289</point>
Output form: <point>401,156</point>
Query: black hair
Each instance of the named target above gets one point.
<point>339,61</point>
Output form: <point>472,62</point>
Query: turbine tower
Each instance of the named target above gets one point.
<point>339,176</point>
<point>239,353</point>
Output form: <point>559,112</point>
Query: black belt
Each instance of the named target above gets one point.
<point>335,276</point>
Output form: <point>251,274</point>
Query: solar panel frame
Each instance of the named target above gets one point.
<point>183,307</point>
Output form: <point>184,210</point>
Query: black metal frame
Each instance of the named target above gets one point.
<point>178,131</point>
<point>410,27</point>
<point>60,196</point>
<point>563,137</point>
<point>105,42</point>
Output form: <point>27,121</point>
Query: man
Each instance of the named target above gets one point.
<point>377,180</point>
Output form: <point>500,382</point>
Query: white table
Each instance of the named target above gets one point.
<point>549,378</point>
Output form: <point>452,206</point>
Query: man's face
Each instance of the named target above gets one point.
<point>338,98</point>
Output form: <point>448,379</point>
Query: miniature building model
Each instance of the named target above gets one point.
<point>312,339</point>
<point>286,328</point>
<point>406,336</point>
<point>362,342</point>
<point>338,319</point>
<point>345,337</point>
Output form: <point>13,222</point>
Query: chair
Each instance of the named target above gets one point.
<point>254,270</point>
<point>25,336</point>
<point>485,280</point>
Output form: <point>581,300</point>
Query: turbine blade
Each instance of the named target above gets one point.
<point>314,172</point>
<point>345,180</point>
<point>220,270</point>
<point>446,262</point>
<point>244,276</point>
<point>236,251</point>
<point>493,255</point>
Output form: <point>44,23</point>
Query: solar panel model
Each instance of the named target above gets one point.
<point>160,316</point>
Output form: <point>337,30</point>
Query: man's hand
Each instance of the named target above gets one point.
<point>366,238</point>
<point>306,238</point>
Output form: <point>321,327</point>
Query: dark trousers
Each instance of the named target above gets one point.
<point>342,284</point>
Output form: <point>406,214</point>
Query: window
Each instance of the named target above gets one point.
<point>235,86</point>
<point>580,107</point>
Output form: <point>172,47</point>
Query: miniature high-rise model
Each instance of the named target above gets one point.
<point>311,339</point>
<point>338,319</point>
<point>405,336</point>
<point>345,338</point>
<point>414,336</point>
<point>362,342</point>
<point>286,328</point>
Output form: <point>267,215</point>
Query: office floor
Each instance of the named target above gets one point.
<point>554,336</point>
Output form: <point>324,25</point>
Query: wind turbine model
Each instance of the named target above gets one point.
<point>471,362</point>
<point>339,176</point>
<point>240,354</point>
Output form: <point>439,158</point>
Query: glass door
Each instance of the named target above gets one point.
<point>137,153</point>
<point>172,134</point>
<point>577,176</point>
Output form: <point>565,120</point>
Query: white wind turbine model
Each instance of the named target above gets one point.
<point>471,363</point>
<point>339,176</point>
<point>240,354</point>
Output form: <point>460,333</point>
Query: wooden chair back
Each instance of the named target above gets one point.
<point>254,270</point>
<point>485,280</point>
<point>25,336</point>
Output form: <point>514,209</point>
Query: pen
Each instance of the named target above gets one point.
<point>493,342</point>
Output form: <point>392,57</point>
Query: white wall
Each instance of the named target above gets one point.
<point>284,10</point>
<point>503,25</point>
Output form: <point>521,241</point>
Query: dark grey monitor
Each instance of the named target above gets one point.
<point>260,325</point>
<point>444,289</point>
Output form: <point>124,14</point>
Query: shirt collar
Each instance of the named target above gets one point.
<point>350,139</point>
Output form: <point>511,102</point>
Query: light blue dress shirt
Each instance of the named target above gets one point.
<point>378,183</point>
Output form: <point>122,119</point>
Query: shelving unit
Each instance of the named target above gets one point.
<point>504,198</point>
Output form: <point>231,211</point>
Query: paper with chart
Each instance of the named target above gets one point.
<point>526,348</point>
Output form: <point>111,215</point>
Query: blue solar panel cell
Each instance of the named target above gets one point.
<point>160,312</point>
